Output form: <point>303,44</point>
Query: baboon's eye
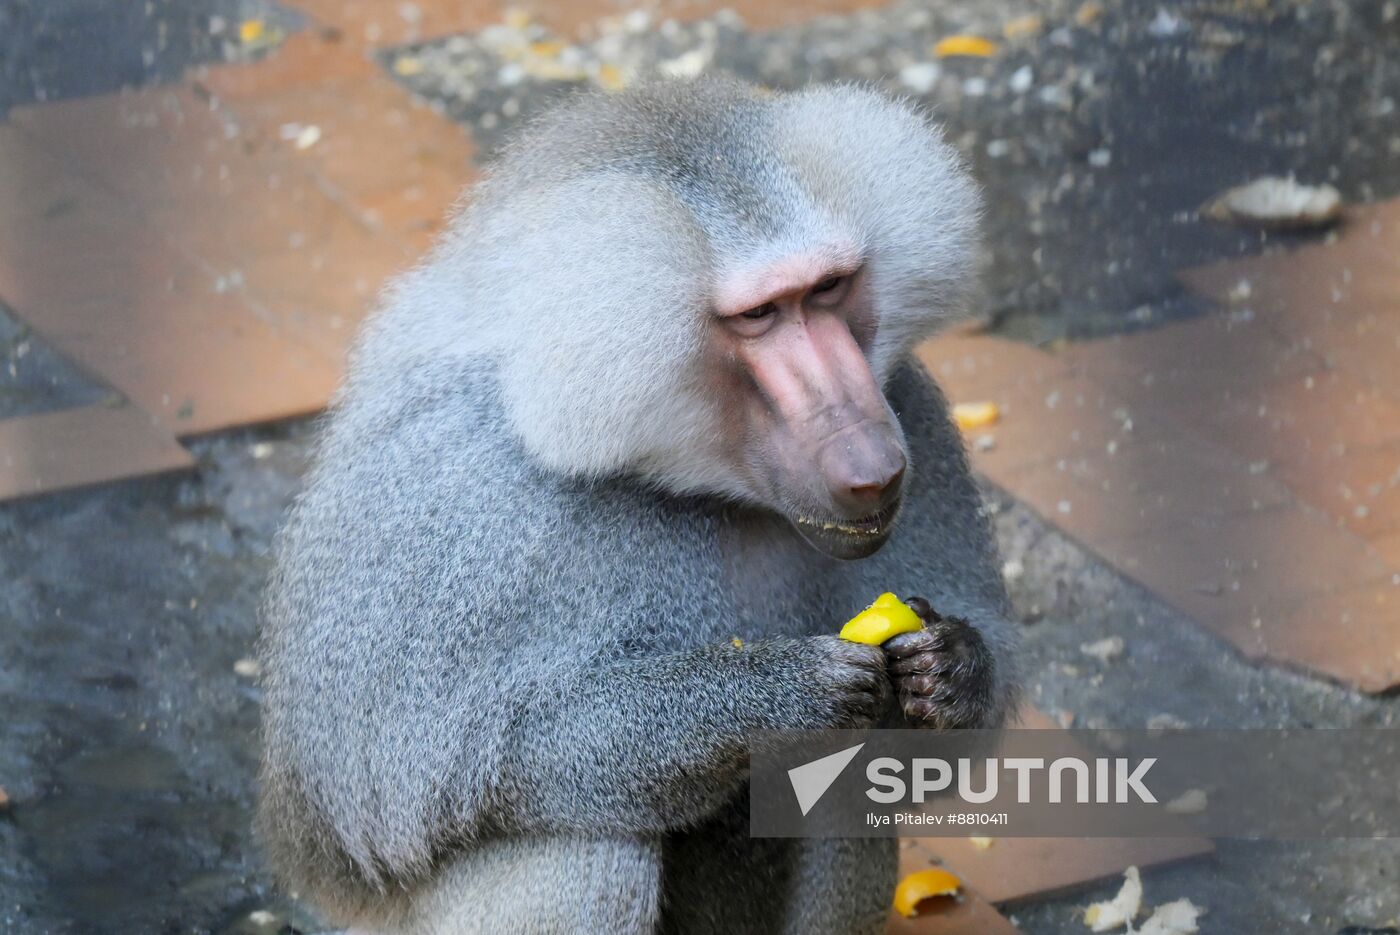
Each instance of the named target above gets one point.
<point>829,292</point>
<point>760,313</point>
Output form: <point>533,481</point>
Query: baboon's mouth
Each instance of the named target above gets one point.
<point>873,525</point>
<point>849,538</point>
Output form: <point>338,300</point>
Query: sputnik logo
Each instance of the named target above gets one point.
<point>811,780</point>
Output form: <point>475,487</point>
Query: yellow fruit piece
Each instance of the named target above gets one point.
<point>887,617</point>
<point>974,46</point>
<point>1088,13</point>
<point>251,30</point>
<point>408,66</point>
<point>547,69</point>
<point>921,885</point>
<point>610,78</point>
<point>971,416</point>
<point>547,49</point>
<point>1022,27</point>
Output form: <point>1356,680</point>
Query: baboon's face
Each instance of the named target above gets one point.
<point>818,442</point>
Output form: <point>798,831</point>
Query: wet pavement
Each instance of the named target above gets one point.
<point>1097,130</point>
<point>55,49</point>
<point>130,748</point>
<point>128,613</point>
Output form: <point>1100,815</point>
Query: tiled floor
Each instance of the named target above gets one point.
<point>186,246</point>
<point>207,250</point>
<point>1245,466</point>
<point>373,24</point>
<point>73,447</point>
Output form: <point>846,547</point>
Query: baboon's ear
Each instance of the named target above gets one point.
<point>597,369</point>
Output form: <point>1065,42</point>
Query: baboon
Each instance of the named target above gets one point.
<point>608,472</point>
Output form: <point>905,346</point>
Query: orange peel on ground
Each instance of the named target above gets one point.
<point>969,416</point>
<point>974,46</point>
<point>921,885</point>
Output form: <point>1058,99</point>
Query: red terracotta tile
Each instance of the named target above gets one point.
<point>255,224</point>
<point>1298,291</point>
<point>217,198</point>
<point>1044,413</point>
<point>94,247</point>
<point>1146,484</point>
<point>1388,548</point>
<point>308,58</point>
<point>1359,487</point>
<point>1016,869</point>
<point>151,146</point>
<point>1365,345</point>
<point>323,289</point>
<point>1243,576</point>
<point>229,214</point>
<point>1180,369</point>
<point>77,447</point>
<point>1084,458</point>
<point>371,136</point>
<point>1049,421</point>
<point>415,213</point>
<point>1340,300</point>
<point>198,363</point>
<point>1297,382</point>
<point>36,186</point>
<point>199,265</point>
<point>979,367</point>
<point>968,914</point>
<point>1303,418</point>
<point>265,213</point>
<point>1353,636</point>
<point>119,300</point>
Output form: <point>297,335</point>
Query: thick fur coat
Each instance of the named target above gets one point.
<point>503,692</point>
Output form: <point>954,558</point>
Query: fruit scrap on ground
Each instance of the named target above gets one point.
<point>1121,909</point>
<point>1174,918</point>
<point>973,46</point>
<point>971,416</point>
<point>921,885</point>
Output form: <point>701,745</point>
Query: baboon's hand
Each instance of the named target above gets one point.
<point>852,687</point>
<point>943,674</point>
